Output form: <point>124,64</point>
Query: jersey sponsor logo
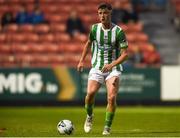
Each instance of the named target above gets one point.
<point>105,47</point>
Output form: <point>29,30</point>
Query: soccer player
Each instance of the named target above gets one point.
<point>109,49</point>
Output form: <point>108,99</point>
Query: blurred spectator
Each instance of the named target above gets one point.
<point>130,15</point>
<point>177,23</point>
<point>151,57</point>
<point>117,12</point>
<point>22,16</point>
<point>135,57</point>
<point>37,16</point>
<point>74,24</point>
<point>7,18</point>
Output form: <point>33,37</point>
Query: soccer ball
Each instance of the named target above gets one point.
<point>65,127</point>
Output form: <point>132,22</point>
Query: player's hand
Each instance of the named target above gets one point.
<point>80,67</point>
<point>107,68</point>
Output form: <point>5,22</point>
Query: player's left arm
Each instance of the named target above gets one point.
<point>119,60</point>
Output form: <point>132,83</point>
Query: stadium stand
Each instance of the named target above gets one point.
<point>174,13</point>
<point>38,45</point>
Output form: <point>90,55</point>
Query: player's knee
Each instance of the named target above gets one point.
<point>90,94</point>
<point>112,99</point>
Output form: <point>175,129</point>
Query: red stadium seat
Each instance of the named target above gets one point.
<point>146,47</point>
<point>37,48</point>
<point>81,38</point>
<point>41,58</point>
<point>46,48</point>
<point>14,7</point>
<point>30,1</point>
<point>5,48</point>
<point>9,65</point>
<point>2,1</point>
<point>177,8</point>
<point>49,38</point>
<point>82,9</point>
<point>28,28</point>
<point>131,37</point>
<point>62,38</point>
<point>142,37</point>
<point>86,18</point>
<point>73,48</point>
<point>24,37</point>
<point>32,37</point>
<point>151,58</point>
<point>42,28</point>
<point>135,27</point>
<point>58,27</point>
<point>33,60</point>
<point>65,7</point>
<point>49,8</point>
<point>57,59</point>
<point>12,28</point>
<point>175,2</point>
<point>2,37</point>
<point>21,48</point>
<point>7,60</point>
<point>18,37</point>
<point>24,60</point>
<point>72,59</point>
<point>15,1</point>
<point>45,1</point>
<point>54,48</point>
<point>56,18</point>
<point>49,44</point>
<point>4,8</point>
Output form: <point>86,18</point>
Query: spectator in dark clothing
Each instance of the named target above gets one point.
<point>37,16</point>
<point>117,12</point>
<point>22,16</point>
<point>7,18</point>
<point>130,15</point>
<point>74,24</point>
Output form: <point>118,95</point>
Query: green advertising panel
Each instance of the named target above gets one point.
<point>141,84</point>
<point>66,84</point>
<point>28,84</point>
<point>135,84</point>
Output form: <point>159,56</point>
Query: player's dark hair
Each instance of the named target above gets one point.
<point>105,5</point>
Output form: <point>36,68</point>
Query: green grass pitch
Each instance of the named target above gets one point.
<point>128,121</point>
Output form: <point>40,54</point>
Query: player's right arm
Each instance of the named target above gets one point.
<point>86,48</point>
<point>83,56</point>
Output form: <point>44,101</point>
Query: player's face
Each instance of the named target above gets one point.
<point>104,15</point>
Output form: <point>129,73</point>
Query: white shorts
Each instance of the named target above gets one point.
<point>100,77</point>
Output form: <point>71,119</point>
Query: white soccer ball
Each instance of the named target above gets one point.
<point>65,127</point>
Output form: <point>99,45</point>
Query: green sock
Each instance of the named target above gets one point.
<point>89,108</point>
<point>109,118</point>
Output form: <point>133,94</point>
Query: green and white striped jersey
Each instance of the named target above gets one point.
<point>106,45</point>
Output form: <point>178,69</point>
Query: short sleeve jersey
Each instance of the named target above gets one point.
<point>106,45</point>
